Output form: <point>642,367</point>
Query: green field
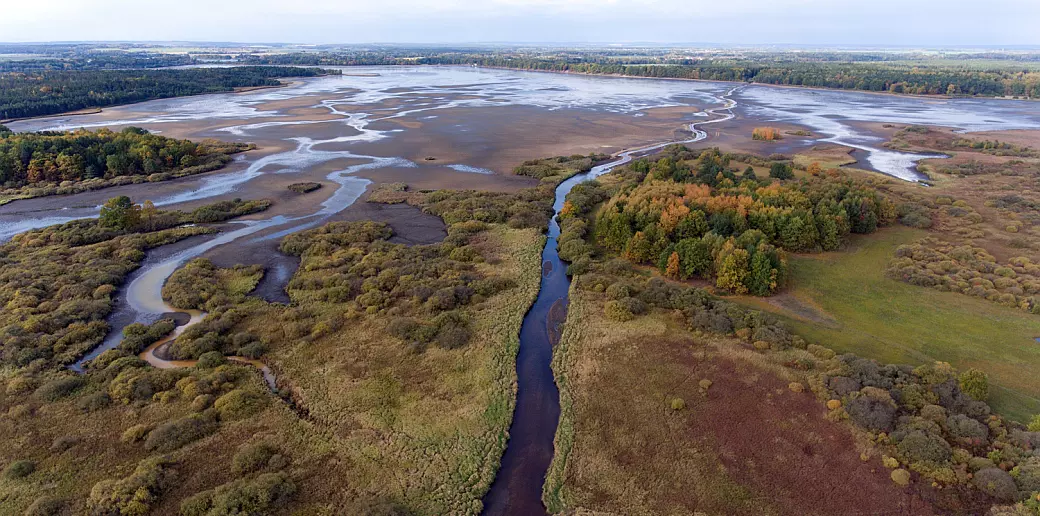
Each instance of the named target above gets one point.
<point>845,302</point>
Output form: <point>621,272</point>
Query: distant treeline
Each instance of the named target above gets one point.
<point>986,79</point>
<point>48,92</point>
<point>99,61</point>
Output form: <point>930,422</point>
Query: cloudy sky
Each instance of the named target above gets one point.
<point>855,22</point>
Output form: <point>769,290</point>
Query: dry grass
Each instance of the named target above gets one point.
<point>420,430</point>
<point>745,445</point>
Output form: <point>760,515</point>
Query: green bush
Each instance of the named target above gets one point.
<point>618,291</point>
<point>239,404</point>
<point>975,383</point>
<point>133,495</point>
<point>59,388</point>
<point>19,469</point>
<point>997,483</point>
<point>45,506</point>
<point>211,360</point>
<point>920,446</point>
<point>965,427</point>
<point>261,495</point>
<point>173,434</point>
<point>871,413</point>
<point>617,311</point>
<point>251,458</point>
<point>304,187</point>
<point>1028,477</point>
<point>1034,425</point>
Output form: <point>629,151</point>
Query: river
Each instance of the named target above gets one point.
<point>455,127</point>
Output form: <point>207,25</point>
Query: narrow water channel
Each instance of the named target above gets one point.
<point>517,489</point>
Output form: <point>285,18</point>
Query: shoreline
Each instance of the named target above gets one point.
<point>248,89</point>
<point>719,81</point>
<point>98,110</point>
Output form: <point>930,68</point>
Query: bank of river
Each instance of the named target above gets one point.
<point>517,488</point>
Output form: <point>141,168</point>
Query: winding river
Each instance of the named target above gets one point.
<point>518,487</point>
<point>353,130</point>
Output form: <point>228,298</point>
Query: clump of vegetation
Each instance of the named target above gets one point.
<point>704,224</point>
<point>57,283</point>
<point>969,270</point>
<point>305,187</point>
<point>252,458</point>
<point>259,495</point>
<point>558,166</point>
<point>173,434</point>
<point>136,493</point>
<point>48,163</point>
<point>201,285</point>
<point>59,388</point>
<point>766,133</point>
<point>19,469</point>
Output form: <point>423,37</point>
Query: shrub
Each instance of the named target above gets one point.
<point>997,483</point>
<point>1034,425</point>
<point>135,433</point>
<point>975,383</point>
<point>211,360</point>
<point>304,187</point>
<point>765,133</point>
<point>965,427</point>
<point>95,402</point>
<point>820,352</point>
<point>618,291</point>
<point>238,404</point>
<point>20,385</point>
<point>1028,478</point>
<point>617,311</point>
<point>201,402</point>
<point>678,404</point>
<point>916,220</point>
<point>251,458</point>
<point>900,477</point>
<point>871,413</point>
<point>59,388</point>
<point>920,446</point>
<point>173,434</point>
<point>257,496</point>
<point>980,463</point>
<point>45,506</point>
<point>133,495</point>
<point>19,469</point>
<point>63,443</point>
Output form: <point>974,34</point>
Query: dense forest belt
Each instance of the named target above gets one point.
<point>996,80</point>
<point>40,93</point>
<point>50,163</point>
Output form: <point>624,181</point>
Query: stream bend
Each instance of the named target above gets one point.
<point>517,488</point>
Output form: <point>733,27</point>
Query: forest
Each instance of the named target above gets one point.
<point>691,216</point>
<point>53,157</point>
<point>49,92</point>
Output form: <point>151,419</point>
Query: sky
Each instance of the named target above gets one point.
<point>805,22</point>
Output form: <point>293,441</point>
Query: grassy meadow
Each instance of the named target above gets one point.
<point>844,301</point>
